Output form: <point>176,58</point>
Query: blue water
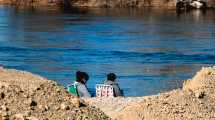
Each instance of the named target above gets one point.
<point>151,51</point>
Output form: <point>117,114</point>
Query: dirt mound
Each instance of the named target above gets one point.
<point>205,78</point>
<point>196,101</point>
<point>24,96</point>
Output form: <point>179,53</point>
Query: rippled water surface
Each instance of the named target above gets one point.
<point>150,50</point>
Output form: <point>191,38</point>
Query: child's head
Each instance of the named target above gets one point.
<point>111,77</point>
<point>82,77</point>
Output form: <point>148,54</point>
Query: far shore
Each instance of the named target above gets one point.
<point>62,4</point>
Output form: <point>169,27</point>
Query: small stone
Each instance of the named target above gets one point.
<point>57,108</point>
<point>26,96</point>
<point>200,94</point>
<point>2,95</point>
<point>209,73</point>
<point>32,118</point>
<point>5,118</point>
<point>27,113</point>
<point>166,96</point>
<point>4,108</point>
<point>38,88</point>
<point>46,108</point>
<point>40,107</point>
<point>19,116</point>
<point>4,114</point>
<point>43,108</point>
<point>148,104</point>
<point>33,103</point>
<point>64,106</point>
<point>58,89</point>
<point>76,102</point>
<point>53,83</point>
<point>165,103</point>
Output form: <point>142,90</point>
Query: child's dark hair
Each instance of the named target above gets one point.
<point>111,76</point>
<point>82,77</point>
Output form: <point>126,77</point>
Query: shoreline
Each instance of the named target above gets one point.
<point>194,101</point>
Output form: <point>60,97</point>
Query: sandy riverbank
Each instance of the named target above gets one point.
<point>29,96</point>
<point>196,101</point>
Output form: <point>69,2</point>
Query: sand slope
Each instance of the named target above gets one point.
<point>24,96</point>
<point>196,101</point>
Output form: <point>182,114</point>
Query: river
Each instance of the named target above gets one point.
<point>150,50</point>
